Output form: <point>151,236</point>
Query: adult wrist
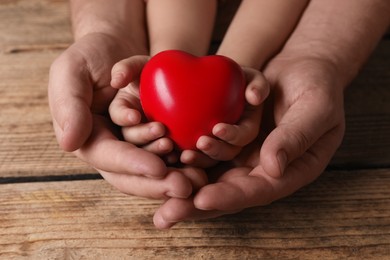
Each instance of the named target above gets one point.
<point>123,21</point>
<point>343,67</point>
<point>117,42</point>
<point>343,33</point>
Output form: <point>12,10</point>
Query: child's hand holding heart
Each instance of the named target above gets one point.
<point>198,103</point>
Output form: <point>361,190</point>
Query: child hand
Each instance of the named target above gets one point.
<point>126,111</point>
<point>228,140</point>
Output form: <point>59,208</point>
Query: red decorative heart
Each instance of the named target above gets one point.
<point>189,95</point>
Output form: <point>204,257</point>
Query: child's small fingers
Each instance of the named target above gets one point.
<point>217,149</point>
<point>127,70</point>
<point>244,132</point>
<point>196,159</point>
<point>258,87</point>
<point>118,79</point>
<point>143,134</point>
<point>232,134</point>
<point>228,133</point>
<point>162,146</point>
<point>122,114</point>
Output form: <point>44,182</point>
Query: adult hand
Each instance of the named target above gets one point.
<point>79,97</point>
<point>309,117</point>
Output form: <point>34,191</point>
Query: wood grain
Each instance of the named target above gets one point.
<point>34,25</point>
<point>27,143</point>
<point>342,215</point>
<point>33,34</point>
<point>345,214</point>
<point>367,105</point>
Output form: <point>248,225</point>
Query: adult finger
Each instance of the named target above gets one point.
<point>243,188</point>
<point>176,184</point>
<point>177,210</point>
<point>105,152</point>
<point>298,129</point>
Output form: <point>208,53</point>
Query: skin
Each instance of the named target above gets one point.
<point>80,93</point>
<point>126,111</point>
<point>248,182</point>
<point>258,42</point>
<point>187,26</point>
<point>175,24</point>
<point>307,76</point>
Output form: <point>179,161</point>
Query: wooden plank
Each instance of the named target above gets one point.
<point>342,215</point>
<point>34,24</point>
<point>32,34</point>
<point>27,142</point>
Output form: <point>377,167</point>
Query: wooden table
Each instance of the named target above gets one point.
<point>53,206</point>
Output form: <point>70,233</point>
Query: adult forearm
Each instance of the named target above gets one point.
<point>341,32</point>
<point>122,19</point>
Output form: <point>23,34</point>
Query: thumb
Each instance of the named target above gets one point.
<point>70,95</point>
<point>296,132</point>
<point>127,70</point>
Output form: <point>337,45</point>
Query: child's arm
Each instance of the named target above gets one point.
<point>172,24</point>
<point>259,29</point>
<point>182,25</point>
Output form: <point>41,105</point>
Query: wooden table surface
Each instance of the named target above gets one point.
<point>53,206</point>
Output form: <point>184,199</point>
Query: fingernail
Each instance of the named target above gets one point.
<point>133,118</point>
<point>221,132</point>
<point>257,95</point>
<point>203,145</point>
<point>160,222</point>
<point>155,131</point>
<point>282,159</point>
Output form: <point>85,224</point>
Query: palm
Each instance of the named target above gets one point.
<point>79,81</point>
<point>80,94</point>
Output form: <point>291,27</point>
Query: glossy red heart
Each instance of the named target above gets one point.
<point>190,94</point>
